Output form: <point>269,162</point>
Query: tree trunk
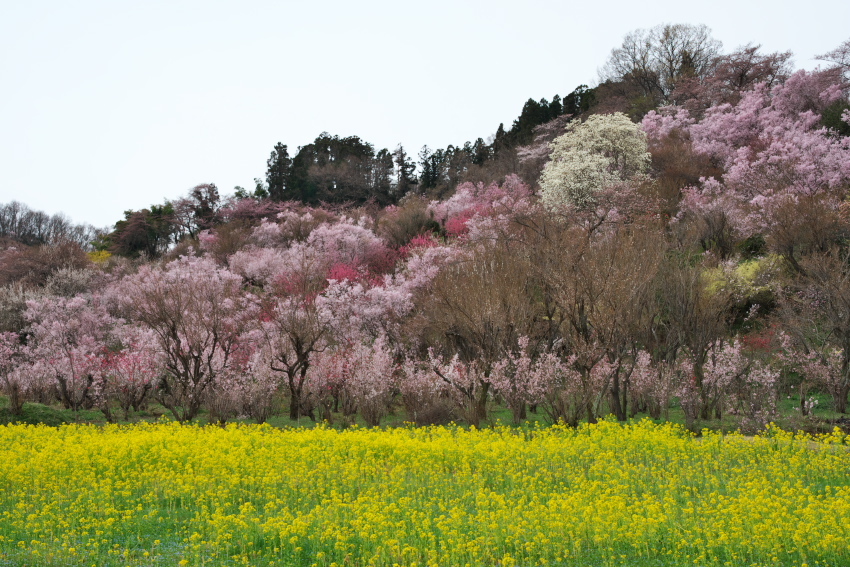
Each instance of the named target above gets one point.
<point>16,400</point>
<point>617,408</point>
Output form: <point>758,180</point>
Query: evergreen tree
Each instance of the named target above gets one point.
<point>480,152</point>
<point>333,170</point>
<point>404,166</point>
<point>278,173</point>
<point>579,101</point>
<point>383,190</point>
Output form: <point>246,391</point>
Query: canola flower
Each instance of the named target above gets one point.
<point>601,495</point>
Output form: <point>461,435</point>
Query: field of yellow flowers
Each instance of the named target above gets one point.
<point>606,494</point>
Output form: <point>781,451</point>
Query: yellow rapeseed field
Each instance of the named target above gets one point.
<point>606,494</point>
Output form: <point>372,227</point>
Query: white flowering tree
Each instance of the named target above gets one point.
<point>603,151</point>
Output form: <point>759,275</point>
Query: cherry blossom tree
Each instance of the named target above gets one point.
<point>133,368</point>
<point>467,384</point>
<point>359,376</point>
<point>527,378</point>
<point>600,279</point>
<point>741,384</point>
<point>784,175</point>
<point>13,355</point>
<point>840,57</point>
<point>694,318</point>
<point>481,205</point>
<point>479,307</point>
<point>816,310</point>
<point>69,338</point>
<point>291,329</point>
<point>199,315</point>
<point>653,385</point>
<point>731,76</point>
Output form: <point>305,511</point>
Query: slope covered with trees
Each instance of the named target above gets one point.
<point>674,237</point>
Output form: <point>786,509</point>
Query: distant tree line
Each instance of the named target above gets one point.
<point>19,223</point>
<point>348,170</point>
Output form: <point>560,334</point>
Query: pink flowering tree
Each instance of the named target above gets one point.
<point>132,368</point>
<point>735,381</point>
<point>743,385</point>
<point>732,75</point>
<point>13,356</point>
<point>290,329</point>
<point>565,395</point>
<point>69,338</point>
<point>477,207</point>
<point>467,384</point>
<point>259,388</point>
<point>427,398</point>
<point>784,175</point>
<point>816,311</point>
<point>199,314</point>
<point>528,378</point>
<point>235,389</point>
<point>329,370</point>
<point>359,377</point>
<point>342,250</point>
<point>653,385</point>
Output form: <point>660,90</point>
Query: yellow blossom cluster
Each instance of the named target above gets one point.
<point>606,494</point>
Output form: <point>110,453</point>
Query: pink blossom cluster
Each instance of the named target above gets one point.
<point>771,147</point>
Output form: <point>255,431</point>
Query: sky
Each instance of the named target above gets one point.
<point>113,105</point>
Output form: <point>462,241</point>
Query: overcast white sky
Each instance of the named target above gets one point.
<point>108,105</point>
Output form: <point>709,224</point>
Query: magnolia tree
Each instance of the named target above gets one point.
<point>199,315</point>
<point>603,151</point>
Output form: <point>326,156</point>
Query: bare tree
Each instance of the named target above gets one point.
<point>693,317</point>
<point>479,308</point>
<point>840,57</point>
<point>657,59</point>
<point>601,281</point>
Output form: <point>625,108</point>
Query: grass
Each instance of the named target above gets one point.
<point>823,420</point>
